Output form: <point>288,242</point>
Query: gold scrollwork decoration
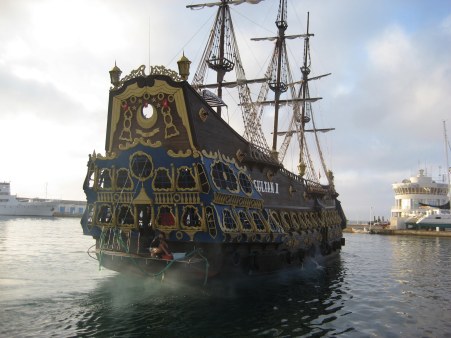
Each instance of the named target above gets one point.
<point>146,114</point>
<point>126,134</point>
<point>170,128</point>
<point>176,198</point>
<point>153,70</point>
<point>240,155</point>
<point>180,153</point>
<point>139,72</point>
<point>203,114</point>
<point>179,235</point>
<point>141,165</point>
<point>125,197</point>
<point>141,140</point>
<point>230,160</point>
<point>270,175</point>
<point>108,156</point>
<point>162,70</point>
<point>227,159</point>
<point>235,200</point>
<point>148,134</point>
<point>210,154</point>
<point>185,198</point>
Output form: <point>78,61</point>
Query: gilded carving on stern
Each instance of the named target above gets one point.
<point>126,134</point>
<point>180,153</point>
<point>203,114</point>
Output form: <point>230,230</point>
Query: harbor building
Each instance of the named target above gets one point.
<point>414,197</point>
<point>69,208</point>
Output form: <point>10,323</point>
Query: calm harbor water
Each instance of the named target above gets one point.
<point>380,286</point>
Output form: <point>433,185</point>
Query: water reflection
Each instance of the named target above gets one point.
<point>379,286</point>
<point>290,304</point>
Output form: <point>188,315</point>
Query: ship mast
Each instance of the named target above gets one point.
<point>279,75</point>
<point>214,54</point>
<point>307,116</point>
<point>224,65</point>
<point>222,55</point>
<point>304,85</point>
<point>279,86</point>
<point>281,81</point>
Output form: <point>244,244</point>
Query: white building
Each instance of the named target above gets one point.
<point>67,208</point>
<point>411,193</point>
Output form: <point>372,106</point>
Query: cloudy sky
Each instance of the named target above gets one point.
<point>388,95</point>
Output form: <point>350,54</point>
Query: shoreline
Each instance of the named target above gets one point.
<point>359,228</point>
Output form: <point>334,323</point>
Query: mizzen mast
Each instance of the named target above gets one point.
<point>281,81</point>
<point>280,76</point>
<point>307,116</point>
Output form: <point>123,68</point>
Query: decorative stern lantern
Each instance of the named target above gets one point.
<point>115,76</point>
<point>183,65</point>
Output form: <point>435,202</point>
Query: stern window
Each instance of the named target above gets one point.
<point>104,214</point>
<point>244,220</point>
<point>123,179</point>
<point>162,179</point>
<point>211,224</point>
<point>224,177</point>
<point>165,216</point>
<point>141,165</point>
<point>185,179</point>
<point>245,183</point>
<point>203,178</point>
<point>105,179</point>
<point>125,215</point>
<point>191,217</point>
<point>258,221</point>
<point>229,221</point>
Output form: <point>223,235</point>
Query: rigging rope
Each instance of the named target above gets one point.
<point>102,238</point>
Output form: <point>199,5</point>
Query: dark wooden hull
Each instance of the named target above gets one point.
<point>219,262</point>
<point>194,269</point>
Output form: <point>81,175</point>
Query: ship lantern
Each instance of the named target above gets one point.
<point>115,75</point>
<point>330,175</point>
<point>301,168</point>
<point>183,64</point>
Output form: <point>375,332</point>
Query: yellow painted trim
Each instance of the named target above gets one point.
<point>159,87</point>
<point>142,198</point>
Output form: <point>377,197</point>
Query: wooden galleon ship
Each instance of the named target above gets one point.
<point>225,201</point>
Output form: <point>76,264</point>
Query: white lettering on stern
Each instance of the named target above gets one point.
<point>265,186</point>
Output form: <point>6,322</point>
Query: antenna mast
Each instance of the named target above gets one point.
<point>448,168</point>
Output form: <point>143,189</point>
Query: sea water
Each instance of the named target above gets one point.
<point>379,286</point>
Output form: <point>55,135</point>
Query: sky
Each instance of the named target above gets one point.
<point>387,97</point>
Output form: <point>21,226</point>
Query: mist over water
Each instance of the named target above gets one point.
<point>378,286</point>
